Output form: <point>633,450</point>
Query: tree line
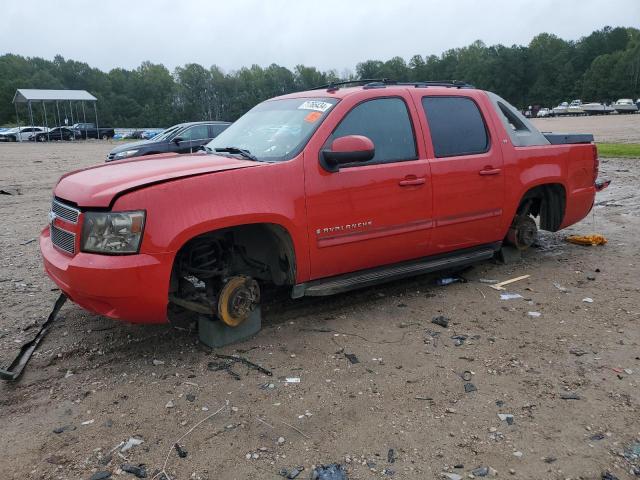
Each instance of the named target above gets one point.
<point>602,66</point>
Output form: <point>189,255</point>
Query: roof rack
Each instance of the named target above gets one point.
<point>332,86</point>
<point>384,82</point>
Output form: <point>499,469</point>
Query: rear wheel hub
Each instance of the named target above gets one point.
<point>523,232</point>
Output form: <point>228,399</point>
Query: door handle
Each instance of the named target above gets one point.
<point>411,181</point>
<point>489,170</point>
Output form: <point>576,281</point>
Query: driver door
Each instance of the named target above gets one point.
<point>372,213</point>
<point>190,139</point>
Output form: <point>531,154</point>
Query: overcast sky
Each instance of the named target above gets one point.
<point>325,33</point>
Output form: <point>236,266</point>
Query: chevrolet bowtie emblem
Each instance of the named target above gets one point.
<point>52,218</point>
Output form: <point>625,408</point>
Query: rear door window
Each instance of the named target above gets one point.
<point>386,122</point>
<point>456,125</point>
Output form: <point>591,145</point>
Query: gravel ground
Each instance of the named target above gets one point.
<point>100,382</point>
<point>609,128</point>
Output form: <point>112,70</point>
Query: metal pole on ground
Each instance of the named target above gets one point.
<point>71,110</point>
<point>95,110</point>
<point>84,119</point>
<point>46,122</point>
<point>30,116</point>
<point>59,119</point>
<point>17,117</point>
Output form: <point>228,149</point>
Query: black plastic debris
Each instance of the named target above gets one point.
<point>470,387</point>
<point>569,396</point>
<point>291,474</point>
<point>352,358</point>
<point>441,320</point>
<point>140,471</point>
<point>550,459</point>
<point>459,339</point>
<point>609,476</point>
<point>597,436</point>
<point>182,453</point>
<point>14,370</point>
<point>244,361</point>
<point>59,430</point>
<point>480,471</point>
<point>102,475</point>
<point>190,397</point>
<point>329,472</point>
<point>225,366</point>
<point>391,455</point>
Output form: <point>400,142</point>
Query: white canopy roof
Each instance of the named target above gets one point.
<point>24,95</point>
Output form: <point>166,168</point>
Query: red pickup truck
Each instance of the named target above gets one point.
<point>321,191</point>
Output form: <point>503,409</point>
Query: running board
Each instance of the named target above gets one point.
<point>373,276</point>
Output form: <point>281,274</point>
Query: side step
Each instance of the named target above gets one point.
<point>373,276</point>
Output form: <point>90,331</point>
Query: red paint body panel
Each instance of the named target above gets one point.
<point>359,217</point>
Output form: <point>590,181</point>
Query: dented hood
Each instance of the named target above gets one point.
<point>98,186</point>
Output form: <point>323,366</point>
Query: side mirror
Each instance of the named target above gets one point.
<point>177,140</point>
<point>348,149</point>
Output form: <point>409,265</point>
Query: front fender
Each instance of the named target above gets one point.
<point>182,209</point>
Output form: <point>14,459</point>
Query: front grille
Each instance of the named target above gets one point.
<point>65,212</point>
<point>111,156</point>
<point>65,241</point>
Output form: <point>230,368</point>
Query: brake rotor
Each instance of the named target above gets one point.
<point>239,297</point>
<point>523,232</point>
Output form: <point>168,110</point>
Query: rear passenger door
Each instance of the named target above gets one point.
<point>466,172</point>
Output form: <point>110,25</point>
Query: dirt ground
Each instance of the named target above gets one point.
<point>100,382</point>
<point>609,128</point>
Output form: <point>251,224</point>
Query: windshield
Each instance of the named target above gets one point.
<point>166,133</point>
<point>275,130</point>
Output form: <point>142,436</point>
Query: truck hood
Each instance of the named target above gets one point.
<point>98,186</point>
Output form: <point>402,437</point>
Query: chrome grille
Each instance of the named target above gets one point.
<point>65,212</point>
<point>62,239</point>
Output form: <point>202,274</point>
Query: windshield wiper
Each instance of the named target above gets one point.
<point>239,151</point>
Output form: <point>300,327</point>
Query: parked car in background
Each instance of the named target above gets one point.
<point>135,135</point>
<point>562,109</point>
<point>181,138</point>
<point>544,112</point>
<point>58,133</point>
<point>89,130</point>
<point>596,108</point>
<point>625,105</point>
<point>20,134</point>
<point>148,134</point>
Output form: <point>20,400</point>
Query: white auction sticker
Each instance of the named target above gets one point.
<point>317,105</point>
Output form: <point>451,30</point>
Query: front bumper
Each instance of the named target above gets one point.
<point>132,288</point>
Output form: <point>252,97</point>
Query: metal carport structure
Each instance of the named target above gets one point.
<point>28,96</point>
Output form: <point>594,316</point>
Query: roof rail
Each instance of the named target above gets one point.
<point>335,85</point>
<point>383,82</point>
<point>440,83</point>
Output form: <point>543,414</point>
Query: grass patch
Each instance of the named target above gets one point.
<point>619,150</point>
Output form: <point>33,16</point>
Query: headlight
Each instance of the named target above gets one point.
<point>112,232</point>
<point>125,154</point>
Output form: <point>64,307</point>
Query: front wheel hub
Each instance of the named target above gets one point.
<point>523,232</point>
<point>239,297</point>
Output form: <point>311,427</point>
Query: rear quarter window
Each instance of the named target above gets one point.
<point>456,125</point>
